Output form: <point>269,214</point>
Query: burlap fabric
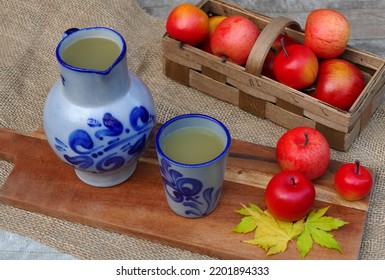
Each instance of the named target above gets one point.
<point>30,31</point>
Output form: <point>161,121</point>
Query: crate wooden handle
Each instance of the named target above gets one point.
<point>264,42</point>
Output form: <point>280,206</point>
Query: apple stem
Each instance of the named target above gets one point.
<point>309,90</point>
<point>292,180</point>
<point>357,162</point>
<point>284,47</point>
<point>224,58</point>
<point>306,138</point>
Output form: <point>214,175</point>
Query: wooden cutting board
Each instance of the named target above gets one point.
<point>41,182</point>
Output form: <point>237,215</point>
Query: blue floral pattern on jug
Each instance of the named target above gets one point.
<point>188,191</point>
<point>113,139</point>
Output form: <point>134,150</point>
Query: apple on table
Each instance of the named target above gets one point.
<point>353,181</point>
<point>303,149</point>
<point>289,195</point>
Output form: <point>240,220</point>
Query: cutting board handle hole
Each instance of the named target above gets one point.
<point>5,169</point>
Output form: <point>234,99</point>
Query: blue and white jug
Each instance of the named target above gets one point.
<point>98,118</point>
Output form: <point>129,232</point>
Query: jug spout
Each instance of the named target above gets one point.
<point>93,61</point>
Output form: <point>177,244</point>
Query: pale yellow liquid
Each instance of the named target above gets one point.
<point>192,145</point>
<point>91,53</point>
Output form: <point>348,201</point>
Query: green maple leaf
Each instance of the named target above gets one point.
<point>316,230</point>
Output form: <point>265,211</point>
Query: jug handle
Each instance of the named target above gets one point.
<point>70,31</point>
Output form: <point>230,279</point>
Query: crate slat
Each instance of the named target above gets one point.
<point>286,118</point>
<point>214,88</point>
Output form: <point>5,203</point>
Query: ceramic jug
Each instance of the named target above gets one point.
<point>99,116</point>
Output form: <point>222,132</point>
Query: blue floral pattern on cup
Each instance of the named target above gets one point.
<point>188,191</point>
<point>106,146</point>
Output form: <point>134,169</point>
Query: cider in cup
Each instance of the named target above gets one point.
<point>193,145</point>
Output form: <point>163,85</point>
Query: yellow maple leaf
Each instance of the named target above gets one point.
<point>271,234</point>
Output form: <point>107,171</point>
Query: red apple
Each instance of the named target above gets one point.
<point>339,83</point>
<point>303,149</point>
<point>327,32</point>
<point>234,38</point>
<point>276,47</point>
<point>213,23</point>
<point>296,66</point>
<point>289,196</point>
<point>353,181</point>
<point>188,24</point>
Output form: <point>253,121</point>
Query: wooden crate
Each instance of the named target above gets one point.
<point>246,88</point>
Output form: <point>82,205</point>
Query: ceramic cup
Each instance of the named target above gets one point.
<point>192,189</point>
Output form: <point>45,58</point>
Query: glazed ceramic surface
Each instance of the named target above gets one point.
<point>193,190</point>
<point>99,121</point>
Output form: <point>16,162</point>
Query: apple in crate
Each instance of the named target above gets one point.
<point>213,23</point>
<point>296,66</point>
<point>339,83</point>
<point>275,48</point>
<point>303,149</point>
<point>188,24</point>
<point>327,32</point>
<point>234,38</point>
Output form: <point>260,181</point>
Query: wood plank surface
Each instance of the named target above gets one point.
<point>42,183</point>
